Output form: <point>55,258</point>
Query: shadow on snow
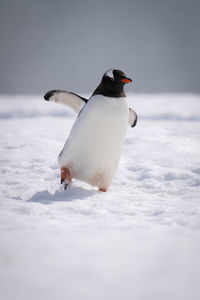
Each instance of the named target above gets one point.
<point>71,194</point>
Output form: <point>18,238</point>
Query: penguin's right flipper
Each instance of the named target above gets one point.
<point>69,99</point>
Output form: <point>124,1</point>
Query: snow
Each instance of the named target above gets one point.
<point>140,240</point>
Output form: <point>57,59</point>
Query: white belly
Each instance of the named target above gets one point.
<point>93,148</point>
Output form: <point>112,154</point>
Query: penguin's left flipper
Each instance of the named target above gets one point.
<point>73,101</point>
<point>132,119</point>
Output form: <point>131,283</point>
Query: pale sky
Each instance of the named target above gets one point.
<point>70,44</point>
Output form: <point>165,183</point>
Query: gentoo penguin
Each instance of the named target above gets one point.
<point>92,150</point>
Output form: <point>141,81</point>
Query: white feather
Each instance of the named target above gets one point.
<point>132,119</point>
<point>93,148</point>
<point>110,74</point>
<point>69,99</point>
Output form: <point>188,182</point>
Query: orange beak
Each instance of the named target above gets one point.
<point>126,80</point>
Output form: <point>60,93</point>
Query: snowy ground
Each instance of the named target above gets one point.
<point>141,240</point>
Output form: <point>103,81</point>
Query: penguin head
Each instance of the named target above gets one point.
<point>114,78</point>
<point>112,84</point>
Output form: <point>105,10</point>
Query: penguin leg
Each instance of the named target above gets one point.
<point>102,190</point>
<point>65,177</point>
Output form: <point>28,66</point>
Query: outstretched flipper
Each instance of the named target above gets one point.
<point>76,103</point>
<point>73,101</point>
<point>132,119</point>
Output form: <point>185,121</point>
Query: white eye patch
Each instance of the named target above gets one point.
<point>110,74</point>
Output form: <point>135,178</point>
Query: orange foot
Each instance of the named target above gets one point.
<point>102,190</point>
<point>65,177</point>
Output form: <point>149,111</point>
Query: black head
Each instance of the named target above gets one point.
<point>112,84</point>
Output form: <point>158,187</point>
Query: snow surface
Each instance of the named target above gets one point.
<point>140,240</point>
